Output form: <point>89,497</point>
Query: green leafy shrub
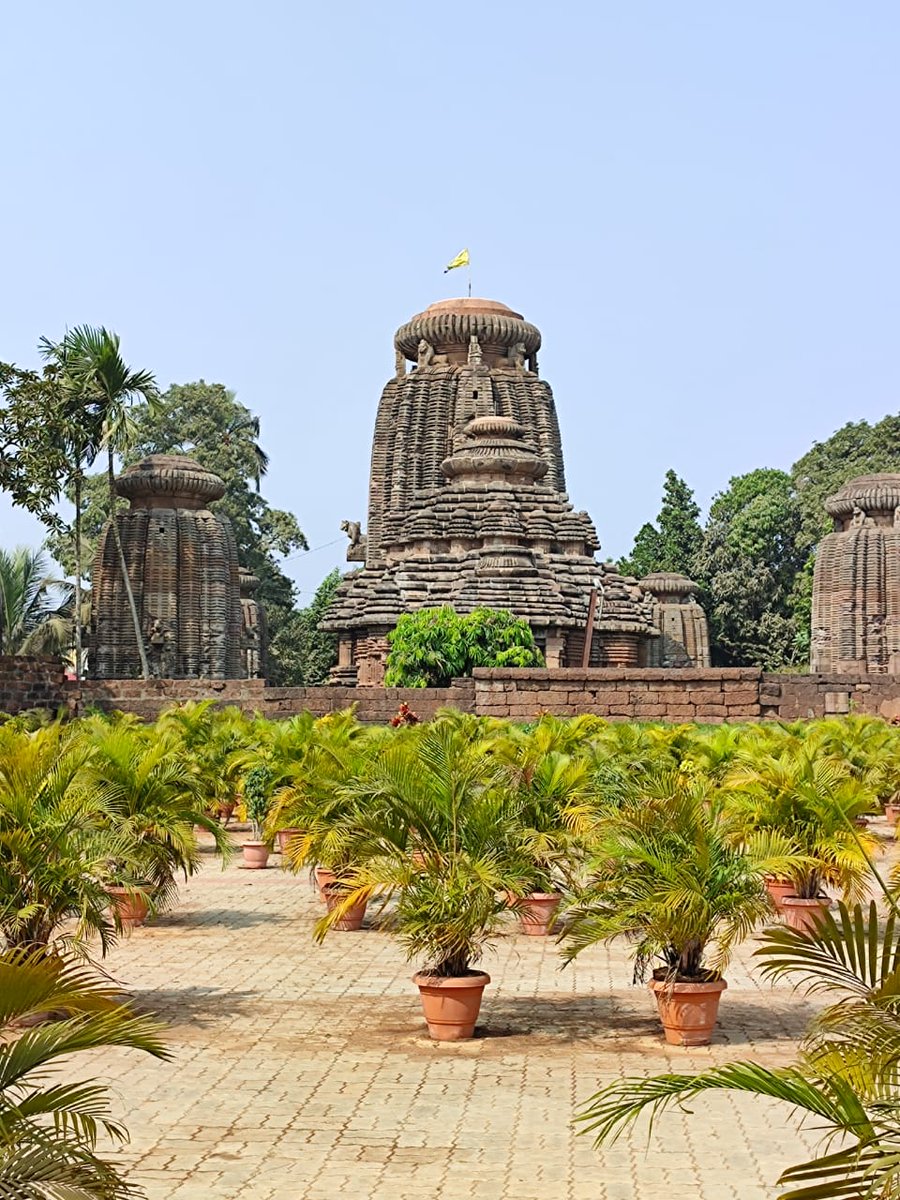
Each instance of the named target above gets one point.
<point>431,647</point>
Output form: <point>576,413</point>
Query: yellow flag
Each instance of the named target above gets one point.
<point>461,260</point>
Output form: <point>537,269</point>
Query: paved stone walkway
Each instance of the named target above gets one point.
<point>304,1072</point>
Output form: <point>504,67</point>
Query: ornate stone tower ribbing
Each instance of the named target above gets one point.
<point>680,619</point>
<point>183,567</point>
<point>856,586</point>
<point>467,501</point>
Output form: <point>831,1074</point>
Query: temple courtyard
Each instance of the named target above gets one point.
<point>303,1071</point>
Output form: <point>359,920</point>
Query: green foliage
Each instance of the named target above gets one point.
<point>672,543</point>
<point>748,564</point>
<point>856,449</point>
<point>36,613</point>
<point>302,654</point>
<point>50,1128</point>
<point>432,646</point>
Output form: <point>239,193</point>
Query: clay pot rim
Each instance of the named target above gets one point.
<point>422,979</point>
<point>684,985</point>
<point>541,896</point>
<point>819,901</point>
<point>124,889</point>
<point>255,844</point>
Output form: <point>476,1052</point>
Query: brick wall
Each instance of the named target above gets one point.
<point>31,682</point>
<point>649,694</point>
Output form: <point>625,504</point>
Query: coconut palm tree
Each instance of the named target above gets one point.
<point>847,1074</point>
<point>35,610</point>
<point>95,371</point>
<point>49,1129</point>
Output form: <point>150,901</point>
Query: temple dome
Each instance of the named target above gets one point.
<point>876,493</point>
<point>669,583</point>
<point>448,326</point>
<point>171,480</point>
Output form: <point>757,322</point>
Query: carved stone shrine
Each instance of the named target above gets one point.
<point>254,631</point>
<point>468,503</point>
<point>683,631</point>
<point>183,567</point>
<point>856,585</point>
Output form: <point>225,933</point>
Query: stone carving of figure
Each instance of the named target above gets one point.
<point>897,518</point>
<point>474,351</point>
<point>160,640</point>
<point>515,356</point>
<point>399,363</point>
<point>356,551</point>
<point>860,518</point>
<point>426,354</point>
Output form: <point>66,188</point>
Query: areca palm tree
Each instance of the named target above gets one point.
<point>847,1074</point>
<point>35,610</point>
<point>95,371</point>
<point>78,425</point>
<point>49,1130</point>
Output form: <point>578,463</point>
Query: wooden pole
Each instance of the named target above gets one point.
<point>589,629</point>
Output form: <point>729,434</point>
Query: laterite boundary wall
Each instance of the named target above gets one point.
<point>650,694</point>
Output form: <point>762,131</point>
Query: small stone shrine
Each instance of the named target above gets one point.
<point>183,567</point>
<point>680,619</point>
<point>254,633</point>
<point>856,585</point>
<point>468,503</point>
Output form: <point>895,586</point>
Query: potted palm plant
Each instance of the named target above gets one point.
<point>54,842</point>
<point>805,803</point>
<point>549,791</point>
<point>257,796</point>
<point>450,900</point>
<point>666,877</point>
<point>152,803</point>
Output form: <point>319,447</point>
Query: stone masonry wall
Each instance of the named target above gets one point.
<point>31,682</point>
<point>647,694</point>
<point>793,697</point>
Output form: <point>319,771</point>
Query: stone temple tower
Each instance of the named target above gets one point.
<point>468,503</point>
<point>856,585</point>
<point>680,619</point>
<point>183,566</point>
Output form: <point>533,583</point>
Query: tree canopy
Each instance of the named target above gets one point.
<point>672,543</point>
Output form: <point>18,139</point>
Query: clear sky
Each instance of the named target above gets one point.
<point>696,202</point>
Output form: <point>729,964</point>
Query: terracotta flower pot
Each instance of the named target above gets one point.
<point>353,918</point>
<point>778,889</point>
<point>804,915</point>
<point>537,913</point>
<point>688,1011</point>
<point>451,1006</point>
<point>324,878</point>
<point>891,812</point>
<point>129,905</point>
<point>283,836</point>
<point>256,855</point>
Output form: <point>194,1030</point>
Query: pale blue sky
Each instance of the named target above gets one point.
<point>696,203</point>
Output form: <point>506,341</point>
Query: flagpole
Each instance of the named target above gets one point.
<point>469,272</point>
